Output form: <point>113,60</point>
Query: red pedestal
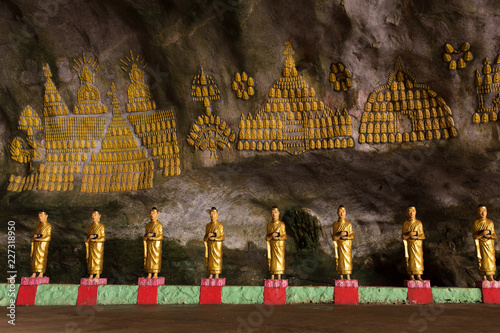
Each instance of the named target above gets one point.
<point>87,295</point>
<point>490,291</point>
<point>210,294</point>
<point>420,295</point>
<point>491,296</point>
<point>147,295</point>
<point>26,295</point>
<point>419,292</point>
<point>275,291</point>
<point>346,292</point>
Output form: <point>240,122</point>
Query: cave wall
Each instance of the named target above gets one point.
<point>445,178</point>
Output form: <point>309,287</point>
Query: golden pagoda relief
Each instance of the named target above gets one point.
<point>53,105</point>
<point>487,82</point>
<point>120,165</point>
<point>139,95</point>
<point>78,148</point>
<point>405,111</point>
<point>204,89</point>
<point>25,151</point>
<point>212,132</point>
<point>89,98</point>
<point>294,119</point>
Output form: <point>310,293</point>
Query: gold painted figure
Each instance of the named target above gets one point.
<point>484,235</point>
<point>152,240</point>
<point>40,245</point>
<point>413,234</point>
<point>214,236</point>
<point>342,240</point>
<point>94,245</point>
<point>275,239</point>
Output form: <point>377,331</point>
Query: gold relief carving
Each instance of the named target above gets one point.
<point>89,99</point>
<point>204,88</point>
<point>139,96</point>
<point>293,119</point>
<point>403,98</point>
<point>24,152</point>
<point>340,76</point>
<point>158,132</point>
<point>53,105</point>
<point>29,120</point>
<point>210,132</point>
<point>243,85</point>
<point>487,81</point>
<point>454,62</point>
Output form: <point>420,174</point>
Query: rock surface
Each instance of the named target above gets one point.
<point>446,179</point>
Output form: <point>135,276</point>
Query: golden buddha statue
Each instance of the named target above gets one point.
<point>484,235</point>
<point>94,245</point>
<point>214,236</point>
<point>342,241</point>
<point>40,245</point>
<point>413,234</point>
<point>275,239</point>
<point>152,240</point>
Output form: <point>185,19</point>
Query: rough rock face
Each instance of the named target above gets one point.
<point>446,178</point>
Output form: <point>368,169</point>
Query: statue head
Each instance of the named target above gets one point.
<point>482,212</point>
<point>154,214</point>
<point>42,216</point>
<point>275,213</point>
<point>341,212</point>
<point>214,214</point>
<point>96,216</point>
<point>412,212</point>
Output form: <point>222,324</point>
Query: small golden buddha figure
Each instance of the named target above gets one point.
<point>94,245</point>
<point>342,241</point>
<point>413,235</point>
<point>483,232</point>
<point>275,239</point>
<point>152,241</point>
<point>214,236</point>
<point>40,245</point>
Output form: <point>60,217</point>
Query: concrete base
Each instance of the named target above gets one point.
<point>93,282</point>
<point>34,281</point>
<point>213,282</point>
<point>417,283</point>
<point>159,281</point>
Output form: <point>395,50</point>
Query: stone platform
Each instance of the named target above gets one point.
<point>68,294</point>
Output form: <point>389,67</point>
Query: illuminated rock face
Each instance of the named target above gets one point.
<point>55,117</point>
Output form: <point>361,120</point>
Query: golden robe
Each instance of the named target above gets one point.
<point>152,248</point>
<point>95,250</point>
<point>414,251</point>
<point>485,247</point>
<point>213,248</point>
<point>40,248</point>
<point>276,248</point>
<point>343,253</point>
